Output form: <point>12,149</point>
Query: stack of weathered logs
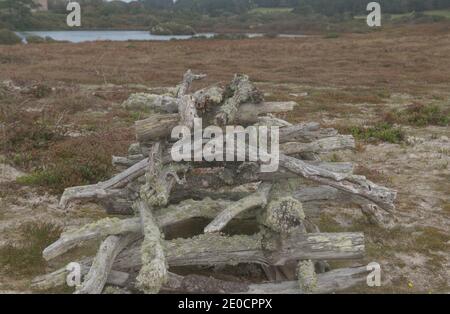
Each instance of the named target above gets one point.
<point>156,193</point>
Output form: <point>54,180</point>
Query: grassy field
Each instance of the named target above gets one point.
<point>61,121</point>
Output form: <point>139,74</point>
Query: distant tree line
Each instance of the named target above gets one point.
<point>213,7</point>
<point>15,12</point>
<point>325,7</point>
<point>336,7</point>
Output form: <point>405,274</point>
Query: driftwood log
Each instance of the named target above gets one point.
<point>155,192</point>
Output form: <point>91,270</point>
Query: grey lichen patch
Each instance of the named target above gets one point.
<point>208,97</point>
<point>343,243</point>
<point>270,240</point>
<point>307,277</point>
<point>283,215</point>
<point>109,225</point>
<point>154,195</point>
<point>212,242</point>
<point>153,274</point>
<point>145,101</point>
<point>192,208</point>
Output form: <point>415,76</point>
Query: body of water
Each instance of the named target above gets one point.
<point>86,36</point>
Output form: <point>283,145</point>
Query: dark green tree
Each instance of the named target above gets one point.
<point>158,4</point>
<point>16,13</point>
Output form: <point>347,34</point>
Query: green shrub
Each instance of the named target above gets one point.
<point>8,37</point>
<point>419,115</point>
<point>230,36</point>
<point>41,91</point>
<point>271,35</point>
<point>34,39</point>
<point>331,35</point>
<point>48,39</point>
<point>171,28</point>
<point>382,132</point>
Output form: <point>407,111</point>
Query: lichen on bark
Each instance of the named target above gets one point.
<point>283,215</point>
<point>307,277</point>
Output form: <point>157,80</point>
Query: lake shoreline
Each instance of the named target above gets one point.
<point>80,36</point>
